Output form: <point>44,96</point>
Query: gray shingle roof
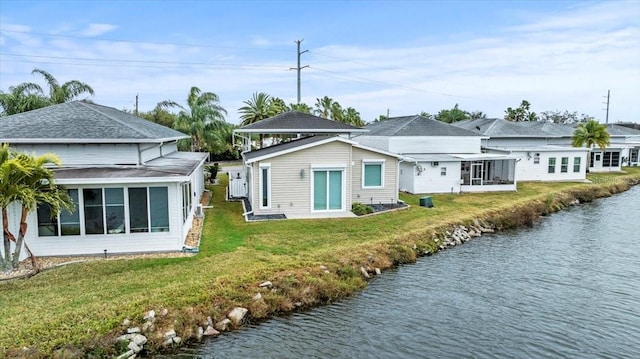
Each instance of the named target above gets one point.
<point>499,128</point>
<point>555,129</point>
<point>617,130</point>
<point>298,122</point>
<point>81,122</point>
<point>415,126</point>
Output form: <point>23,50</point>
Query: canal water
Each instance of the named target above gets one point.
<point>567,288</point>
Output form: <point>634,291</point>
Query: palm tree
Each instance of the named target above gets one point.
<point>301,107</point>
<point>27,180</point>
<point>202,113</point>
<point>24,97</point>
<point>66,92</point>
<point>261,106</point>
<point>453,115</point>
<point>590,133</point>
<point>323,107</point>
<point>352,117</point>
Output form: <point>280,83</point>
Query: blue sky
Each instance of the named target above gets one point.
<point>401,56</point>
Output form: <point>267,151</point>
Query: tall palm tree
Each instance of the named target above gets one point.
<point>261,106</point>
<point>27,180</point>
<point>323,107</point>
<point>24,97</point>
<point>337,113</point>
<point>66,92</point>
<point>202,112</point>
<point>590,133</point>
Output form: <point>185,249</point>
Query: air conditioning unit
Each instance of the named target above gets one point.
<point>199,211</point>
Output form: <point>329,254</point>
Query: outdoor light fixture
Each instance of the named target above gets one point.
<point>302,173</point>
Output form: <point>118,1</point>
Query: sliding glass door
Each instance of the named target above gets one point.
<point>327,190</point>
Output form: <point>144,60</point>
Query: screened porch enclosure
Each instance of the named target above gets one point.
<point>487,172</point>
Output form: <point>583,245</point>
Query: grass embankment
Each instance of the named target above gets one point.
<point>77,310</point>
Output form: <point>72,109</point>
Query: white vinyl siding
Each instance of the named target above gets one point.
<point>292,175</point>
<point>388,192</point>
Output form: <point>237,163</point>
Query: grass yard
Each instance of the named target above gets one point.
<point>79,308</point>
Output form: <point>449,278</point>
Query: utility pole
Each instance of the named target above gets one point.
<point>136,113</point>
<point>607,103</point>
<point>298,68</point>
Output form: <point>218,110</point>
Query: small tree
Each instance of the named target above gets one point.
<point>520,114</point>
<point>29,181</point>
<point>590,133</point>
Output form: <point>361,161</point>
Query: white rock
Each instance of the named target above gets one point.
<point>126,322</point>
<point>170,334</point>
<point>125,337</point>
<point>323,267</point>
<point>133,330</point>
<point>210,332</point>
<point>266,284</point>
<point>209,322</point>
<point>150,315</point>
<point>236,315</point>
<point>364,273</point>
<point>139,339</point>
<point>378,271</point>
<point>200,333</point>
<point>257,296</point>
<point>177,340</point>
<point>133,346</point>
<point>327,272</point>
<point>126,354</point>
<point>164,312</point>
<point>168,342</point>
<point>223,325</point>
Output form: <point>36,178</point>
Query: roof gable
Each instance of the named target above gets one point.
<point>81,122</point>
<point>415,126</point>
<point>298,122</point>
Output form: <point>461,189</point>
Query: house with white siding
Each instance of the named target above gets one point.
<point>539,153</point>
<point>317,174</point>
<point>133,191</point>
<point>439,157</point>
<point>623,149</point>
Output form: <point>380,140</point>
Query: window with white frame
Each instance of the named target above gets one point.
<point>264,179</point>
<point>443,171</point>
<point>552,165</point>
<point>372,173</point>
<point>564,165</point>
<point>576,164</point>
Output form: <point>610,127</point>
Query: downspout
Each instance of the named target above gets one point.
<point>400,160</point>
<point>249,192</point>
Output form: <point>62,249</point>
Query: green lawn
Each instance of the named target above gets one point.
<point>80,305</point>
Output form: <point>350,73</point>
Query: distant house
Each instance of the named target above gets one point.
<point>133,190</point>
<point>623,149</point>
<point>540,154</point>
<point>439,157</point>
<point>317,173</point>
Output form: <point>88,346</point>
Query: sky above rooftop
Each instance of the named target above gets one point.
<point>376,56</point>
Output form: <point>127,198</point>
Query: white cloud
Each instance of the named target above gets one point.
<point>97,29</point>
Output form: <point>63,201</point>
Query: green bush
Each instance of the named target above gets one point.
<point>360,209</point>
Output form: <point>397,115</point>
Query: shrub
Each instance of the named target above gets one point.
<point>360,209</point>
